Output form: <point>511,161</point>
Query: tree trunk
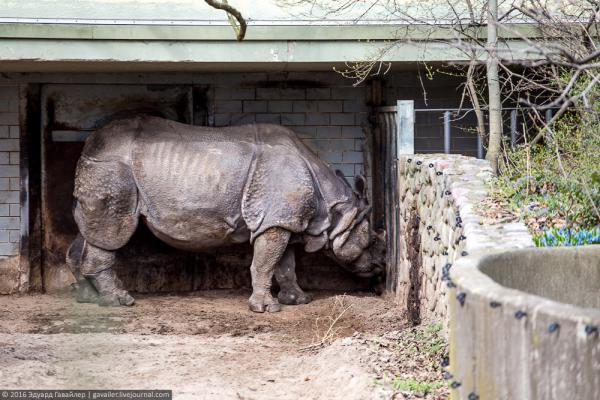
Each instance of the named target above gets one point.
<point>495,106</point>
<point>473,95</point>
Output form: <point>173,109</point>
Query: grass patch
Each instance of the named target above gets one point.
<point>416,362</point>
<point>413,385</point>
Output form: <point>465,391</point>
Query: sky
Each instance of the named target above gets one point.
<point>252,10</point>
<point>188,9</point>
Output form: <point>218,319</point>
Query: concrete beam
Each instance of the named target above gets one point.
<point>26,55</point>
<point>266,32</point>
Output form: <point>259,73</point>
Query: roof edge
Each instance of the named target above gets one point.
<point>162,30</point>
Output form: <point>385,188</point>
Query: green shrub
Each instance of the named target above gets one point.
<point>556,184</point>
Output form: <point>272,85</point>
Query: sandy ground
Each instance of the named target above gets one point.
<point>203,345</point>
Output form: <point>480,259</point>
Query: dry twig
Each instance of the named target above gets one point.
<point>340,307</point>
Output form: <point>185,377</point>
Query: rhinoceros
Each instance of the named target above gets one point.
<point>200,188</point>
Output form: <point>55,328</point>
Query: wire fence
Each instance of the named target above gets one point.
<point>454,130</point>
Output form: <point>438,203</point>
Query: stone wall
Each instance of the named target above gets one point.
<point>439,223</point>
<point>10,207</point>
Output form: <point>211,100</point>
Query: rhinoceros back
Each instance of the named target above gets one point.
<point>190,180</point>
<point>201,187</point>
<point>209,184</point>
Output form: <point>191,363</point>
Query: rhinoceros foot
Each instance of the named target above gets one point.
<point>291,297</point>
<point>84,292</point>
<point>115,299</point>
<point>261,303</point>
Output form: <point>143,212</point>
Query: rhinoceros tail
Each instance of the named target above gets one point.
<point>74,256</point>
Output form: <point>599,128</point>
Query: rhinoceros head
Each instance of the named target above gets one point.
<point>355,245</point>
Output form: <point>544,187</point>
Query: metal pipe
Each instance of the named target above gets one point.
<point>549,114</point>
<point>447,132</point>
<point>513,128</point>
<point>393,108</point>
<point>197,22</point>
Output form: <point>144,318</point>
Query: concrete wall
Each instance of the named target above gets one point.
<point>440,223</point>
<point>511,334</point>
<point>10,208</point>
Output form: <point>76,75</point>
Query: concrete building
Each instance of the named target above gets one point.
<point>67,69</point>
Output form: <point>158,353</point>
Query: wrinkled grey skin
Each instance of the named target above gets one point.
<point>199,188</point>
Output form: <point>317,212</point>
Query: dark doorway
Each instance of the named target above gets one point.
<point>69,113</point>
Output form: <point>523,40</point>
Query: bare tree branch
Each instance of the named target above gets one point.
<point>232,15</point>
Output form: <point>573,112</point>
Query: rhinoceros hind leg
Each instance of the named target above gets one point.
<point>97,269</point>
<point>269,247</point>
<point>285,273</point>
<point>82,289</point>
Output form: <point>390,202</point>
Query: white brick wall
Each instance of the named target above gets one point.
<point>10,209</point>
<point>329,120</point>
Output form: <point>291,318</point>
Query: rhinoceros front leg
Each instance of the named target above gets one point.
<point>269,247</point>
<point>285,273</point>
<point>96,267</point>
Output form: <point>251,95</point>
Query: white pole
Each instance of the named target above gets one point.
<point>405,124</point>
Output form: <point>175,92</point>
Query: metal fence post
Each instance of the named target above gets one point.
<point>405,120</point>
<point>513,128</point>
<point>447,132</point>
<point>479,147</point>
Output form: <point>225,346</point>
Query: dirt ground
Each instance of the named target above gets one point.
<point>208,345</point>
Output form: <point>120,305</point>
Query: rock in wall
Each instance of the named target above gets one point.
<point>439,222</point>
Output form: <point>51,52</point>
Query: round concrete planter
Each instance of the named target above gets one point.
<point>525,324</point>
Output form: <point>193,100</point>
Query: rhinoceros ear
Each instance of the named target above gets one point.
<point>340,175</point>
<point>360,186</point>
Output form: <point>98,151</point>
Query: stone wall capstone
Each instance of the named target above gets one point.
<point>439,223</point>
